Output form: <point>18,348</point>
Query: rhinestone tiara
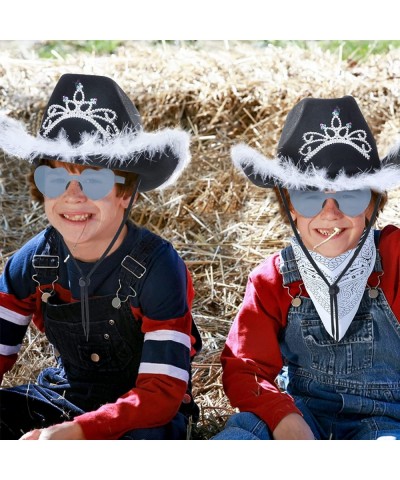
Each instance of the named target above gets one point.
<point>336,133</point>
<point>103,119</point>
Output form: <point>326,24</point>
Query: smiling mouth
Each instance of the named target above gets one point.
<point>326,232</point>
<point>77,218</point>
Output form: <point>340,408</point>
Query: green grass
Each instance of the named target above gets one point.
<point>52,48</point>
<point>352,50</point>
<point>356,50</point>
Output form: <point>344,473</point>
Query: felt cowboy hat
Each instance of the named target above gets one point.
<point>89,120</point>
<point>325,144</point>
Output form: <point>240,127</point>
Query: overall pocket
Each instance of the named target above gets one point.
<point>106,350</point>
<point>352,354</point>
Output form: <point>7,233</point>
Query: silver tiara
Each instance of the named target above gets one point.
<point>103,119</point>
<point>336,133</point>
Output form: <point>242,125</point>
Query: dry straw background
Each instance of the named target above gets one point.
<point>221,225</point>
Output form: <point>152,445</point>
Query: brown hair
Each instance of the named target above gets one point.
<point>282,211</point>
<point>122,189</point>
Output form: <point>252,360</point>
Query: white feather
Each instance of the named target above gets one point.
<point>289,176</point>
<point>16,141</point>
<point>394,151</point>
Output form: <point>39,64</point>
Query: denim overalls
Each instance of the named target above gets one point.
<point>90,372</point>
<point>350,388</point>
<point>345,390</point>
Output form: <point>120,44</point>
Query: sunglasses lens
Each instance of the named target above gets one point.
<point>353,202</point>
<point>97,184</point>
<point>309,202</point>
<point>51,182</point>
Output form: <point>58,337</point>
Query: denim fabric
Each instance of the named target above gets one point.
<point>174,430</point>
<point>94,371</point>
<point>101,368</point>
<point>27,407</point>
<point>89,372</point>
<point>247,426</point>
<point>244,426</point>
<point>351,388</point>
<point>346,390</point>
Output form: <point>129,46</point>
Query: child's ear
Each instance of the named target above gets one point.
<point>293,215</point>
<point>127,198</point>
<point>368,212</point>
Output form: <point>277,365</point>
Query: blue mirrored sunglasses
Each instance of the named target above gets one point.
<point>310,202</point>
<point>95,184</point>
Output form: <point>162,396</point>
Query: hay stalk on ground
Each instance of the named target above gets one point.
<point>220,224</point>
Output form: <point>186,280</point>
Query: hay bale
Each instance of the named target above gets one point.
<point>221,225</point>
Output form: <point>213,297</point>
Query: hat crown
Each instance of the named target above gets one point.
<point>345,145</point>
<point>88,104</point>
<point>103,119</point>
<point>335,133</point>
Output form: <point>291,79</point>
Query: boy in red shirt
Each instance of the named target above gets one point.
<point>313,351</point>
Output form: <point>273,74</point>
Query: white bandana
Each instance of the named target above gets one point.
<point>351,285</point>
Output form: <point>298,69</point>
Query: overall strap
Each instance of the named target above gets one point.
<point>378,263</point>
<point>46,263</point>
<point>288,268</point>
<point>134,265</point>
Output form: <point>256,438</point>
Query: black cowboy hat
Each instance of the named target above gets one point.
<point>325,144</point>
<point>89,120</point>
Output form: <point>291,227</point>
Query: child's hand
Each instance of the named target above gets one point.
<point>293,427</point>
<point>62,431</point>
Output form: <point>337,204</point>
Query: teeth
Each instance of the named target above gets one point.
<point>326,233</point>
<point>77,218</point>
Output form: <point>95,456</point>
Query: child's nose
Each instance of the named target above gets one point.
<point>74,189</point>
<point>330,208</point>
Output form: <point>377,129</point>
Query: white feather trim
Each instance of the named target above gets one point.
<point>17,142</point>
<point>394,151</point>
<point>288,175</point>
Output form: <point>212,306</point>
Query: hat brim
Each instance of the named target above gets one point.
<point>158,157</point>
<point>268,173</point>
<point>393,155</point>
